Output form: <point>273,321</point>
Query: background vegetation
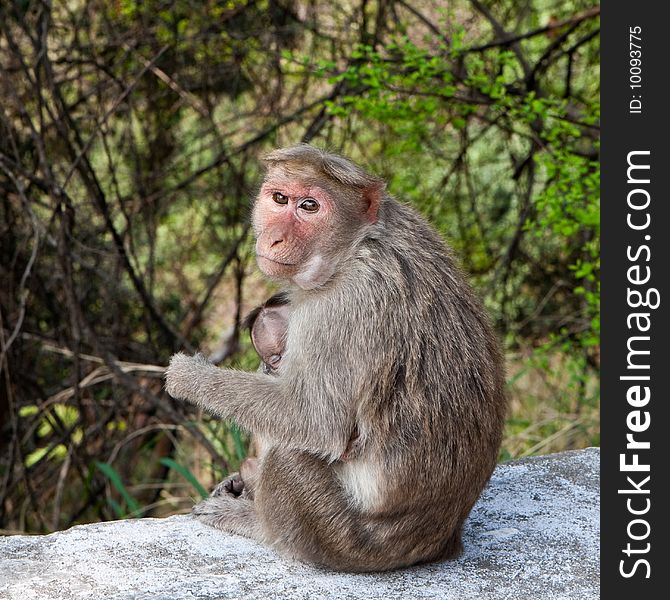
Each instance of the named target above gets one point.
<point>130,137</point>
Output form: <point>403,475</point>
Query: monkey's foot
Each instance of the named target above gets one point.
<point>230,486</point>
<point>229,513</point>
<point>209,507</point>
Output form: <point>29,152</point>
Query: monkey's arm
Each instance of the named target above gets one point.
<point>262,404</point>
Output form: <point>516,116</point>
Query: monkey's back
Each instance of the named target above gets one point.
<point>431,329</point>
<point>434,419</point>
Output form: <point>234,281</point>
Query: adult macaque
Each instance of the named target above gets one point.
<point>385,338</point>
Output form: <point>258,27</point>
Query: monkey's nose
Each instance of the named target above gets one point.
<point>275,243</point>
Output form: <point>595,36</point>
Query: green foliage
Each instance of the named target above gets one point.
<point>132,141</point>
<point>419,99</point>
<point>133,509</point>
<point>132,506</point>
<point>186,474</point>
<point>569,207</point>
<point>472,108</point>
<point>58,417</point>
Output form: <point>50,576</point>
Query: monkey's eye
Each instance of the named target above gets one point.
<point>309,204</point>
<point>279,198</point>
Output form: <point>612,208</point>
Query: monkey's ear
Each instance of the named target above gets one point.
<point>373,198</point>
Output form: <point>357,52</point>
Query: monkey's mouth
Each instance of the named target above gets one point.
<point>275,268</point>
<point>275,261</point>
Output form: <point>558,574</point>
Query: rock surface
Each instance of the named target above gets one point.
<point>533,534</point>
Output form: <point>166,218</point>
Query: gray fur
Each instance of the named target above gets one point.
<point>394,345</point>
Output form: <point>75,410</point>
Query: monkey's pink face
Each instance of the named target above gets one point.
<point>292,222</point>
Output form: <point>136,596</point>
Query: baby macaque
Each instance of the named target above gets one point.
<point>268,324</point>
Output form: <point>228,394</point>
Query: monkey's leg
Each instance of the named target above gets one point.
<point>305,512</point>
<point>249,470</point>
<point>230,514</point>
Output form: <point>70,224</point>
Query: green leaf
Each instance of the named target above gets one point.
<point>186,474</point>
<point>115,479</point>
<point>116,507</point>
<point>28,411</point>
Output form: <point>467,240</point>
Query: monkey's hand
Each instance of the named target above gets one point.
<point>226,393</point>
<point>185,374</point>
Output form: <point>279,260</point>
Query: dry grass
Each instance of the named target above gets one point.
<point>554,405</point>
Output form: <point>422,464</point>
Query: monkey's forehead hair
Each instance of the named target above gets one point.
<point>334,166</point>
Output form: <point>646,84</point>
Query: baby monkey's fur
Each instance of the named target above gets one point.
<point>385,342</point>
